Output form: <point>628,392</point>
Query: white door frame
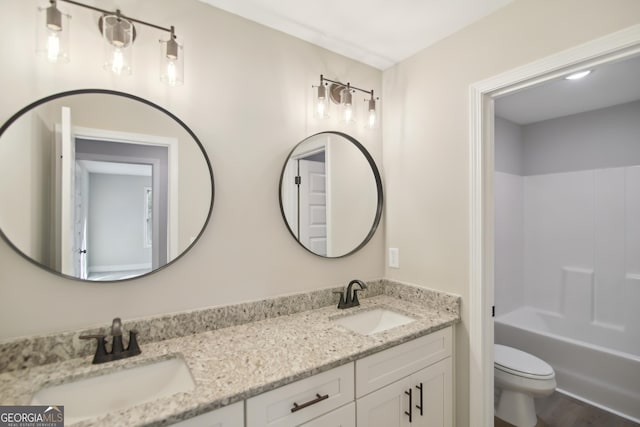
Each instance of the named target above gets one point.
<point>618,45</point>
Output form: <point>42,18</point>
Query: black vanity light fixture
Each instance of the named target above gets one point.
<point>342,94</point>
<point>118,32</point>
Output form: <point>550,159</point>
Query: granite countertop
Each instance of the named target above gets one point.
<point>238,362</point>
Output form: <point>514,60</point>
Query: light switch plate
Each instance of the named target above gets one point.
<point>394,257</point>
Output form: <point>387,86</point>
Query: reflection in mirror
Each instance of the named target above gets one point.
<point>331,194</point>
<point>100,185</point>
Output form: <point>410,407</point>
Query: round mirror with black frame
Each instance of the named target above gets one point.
<point>99,185</point>
<point>331,194</point>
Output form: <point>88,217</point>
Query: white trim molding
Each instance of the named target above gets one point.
<point>616,46</point>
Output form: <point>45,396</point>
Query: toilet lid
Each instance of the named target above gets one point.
<point>518,362</point>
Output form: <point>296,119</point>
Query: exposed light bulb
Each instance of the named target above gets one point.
<point>172,61</point>
<point>53,47</point>
<point>117,63</point>
<point>348,112</point>
<point>347,105</point>
<point>320,102</point>
<point>320,108</point>
<point>172,73</point>
<point>372,118</point>
<point>53,34</point>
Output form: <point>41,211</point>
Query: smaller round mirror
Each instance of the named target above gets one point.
<point>331,194</point>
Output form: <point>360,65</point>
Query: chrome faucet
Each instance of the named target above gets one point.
<point>350,297</point>
<point>117,348</point>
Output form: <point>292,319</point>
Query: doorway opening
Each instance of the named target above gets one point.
<point>115,201</point>
<point>617,46</point>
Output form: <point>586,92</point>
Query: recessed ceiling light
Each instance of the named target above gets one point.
<point>578,75</point>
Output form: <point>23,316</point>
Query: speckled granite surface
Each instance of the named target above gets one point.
<point>233,363</point>
<point>32,351</point>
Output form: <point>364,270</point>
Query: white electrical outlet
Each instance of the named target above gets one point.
<point>394,257</point>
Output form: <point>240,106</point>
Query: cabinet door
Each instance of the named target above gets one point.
<point>229,416</point>
<point>387,407</point>
<point>341,417</point>
<point>423,399</point>
<point>433,395</point>
<point>379,369</point>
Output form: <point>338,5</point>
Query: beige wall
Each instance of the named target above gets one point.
<point>246,96</point>
<point>243,96</point>
<point>426,154</point>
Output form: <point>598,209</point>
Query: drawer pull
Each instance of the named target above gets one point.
<point>419,387</point>
<point>410,413</point>
<point>318,398</point>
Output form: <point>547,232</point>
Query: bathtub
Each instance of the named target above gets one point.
<point>606,377</point>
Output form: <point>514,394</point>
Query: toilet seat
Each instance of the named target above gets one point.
<point>519,363</point>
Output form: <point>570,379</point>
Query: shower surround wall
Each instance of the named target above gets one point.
<point>568,242</point>
<point>581,253</point>
<point>568,220</point>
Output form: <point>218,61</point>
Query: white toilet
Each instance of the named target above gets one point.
<point>521,377</point>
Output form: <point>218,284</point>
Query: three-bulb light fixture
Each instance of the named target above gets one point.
<point>342,94</point>
<point>118,32</point>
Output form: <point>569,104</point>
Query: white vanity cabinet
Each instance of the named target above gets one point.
<point>407,385</point>
<point>229,416</point>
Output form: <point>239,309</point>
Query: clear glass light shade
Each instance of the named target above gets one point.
<point>371,114</point>
<point>320,103</point>
<point>53,34</point>
<point>347,112</point>
<point>171,62</point>
<point>118,47</point>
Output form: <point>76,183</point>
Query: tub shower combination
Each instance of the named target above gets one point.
<point>603,376</point>
<point>568,279</point>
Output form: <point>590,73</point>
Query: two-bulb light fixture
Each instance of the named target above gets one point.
<point>341,94</point>
<point>118,32</point>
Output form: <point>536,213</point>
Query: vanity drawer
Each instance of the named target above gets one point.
<point>229,416</point>
<point>378,370</point>
<point>342,417</point>
<point>274,408</point>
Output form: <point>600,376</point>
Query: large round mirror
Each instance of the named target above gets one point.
<point>331,194</point>
<point>100,185</point>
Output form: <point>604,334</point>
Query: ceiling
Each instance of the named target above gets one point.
<point>608,85</point>
<point>382,33</point>
<point>379,33</point>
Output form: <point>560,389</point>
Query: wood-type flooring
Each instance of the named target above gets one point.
<point>559,410</point>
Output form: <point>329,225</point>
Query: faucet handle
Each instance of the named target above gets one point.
<point>101,350</point>
<point>133,348</point>
<point>341,304</point>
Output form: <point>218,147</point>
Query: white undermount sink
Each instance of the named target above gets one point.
<point>373,321</point>
<point>95,396</point>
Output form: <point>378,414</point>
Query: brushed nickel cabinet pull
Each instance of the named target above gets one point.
<point>318,398</point>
